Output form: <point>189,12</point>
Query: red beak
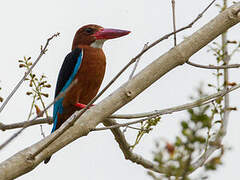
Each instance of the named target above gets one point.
<point>110,33</point>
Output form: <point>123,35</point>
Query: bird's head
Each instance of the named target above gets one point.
<point>94,36</point>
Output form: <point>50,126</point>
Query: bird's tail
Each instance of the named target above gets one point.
<point>47,160</point>
<point>55,110</point>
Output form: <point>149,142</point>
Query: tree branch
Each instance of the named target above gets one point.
<point>136,63</point>
<point>196,103</point>
<point>22,162</point>
<point>213,67</point>
<point>216,143</point>
<point>126,149</point>
<point>199,102</point>
<point>42,52</point>
<point>155,114</point>
<point>62,94</point>
<point>47,120</point>
<point>174,21</point>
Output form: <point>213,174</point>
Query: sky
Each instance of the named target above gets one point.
<point>26,24</point>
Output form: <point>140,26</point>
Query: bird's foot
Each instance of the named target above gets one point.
<point>81,106</point>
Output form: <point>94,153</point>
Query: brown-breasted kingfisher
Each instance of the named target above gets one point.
<point>86,63</point>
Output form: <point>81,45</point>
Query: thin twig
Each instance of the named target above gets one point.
<point>228,66</point>
<point>201,14</point>
<point>236,49</point>
<point>126,149</point>
<point>42,52</point>
<point>177,31</point>
<point>198,102</point>
<point>5,127</point>
<point>187,167</point>
<point>11,138</point>
<point>136,63</point>
<point>139,129</point>
<point>62,94</point>
<point>155,114</point>
<point>217,142</point>
<point>31,108</point>
<point>174,22</point>
<point>42,132</point>
<point>124,124</point>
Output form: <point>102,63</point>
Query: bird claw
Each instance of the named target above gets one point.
<point>81,106</point>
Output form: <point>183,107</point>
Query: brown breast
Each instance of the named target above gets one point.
<point>90,76</point>
<point>91,73</point>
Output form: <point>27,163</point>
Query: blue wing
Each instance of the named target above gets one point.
<point>66,75</point>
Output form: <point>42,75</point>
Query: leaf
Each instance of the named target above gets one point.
<point>184,124</point>
<point>200,139</point>
<point>178,141</point>
<point>219,100</point>
<point>231,84</point>
<point>47,85</point>
<point>28,93</point>
<point>190,111</point>
<point>22,65</point>
<point>31,83</point>
<point>45,94</point>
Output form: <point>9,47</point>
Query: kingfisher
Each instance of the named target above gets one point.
<point>86,63</point>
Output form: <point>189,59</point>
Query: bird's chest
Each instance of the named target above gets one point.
<point>91,71</point>
<point>93,65</point>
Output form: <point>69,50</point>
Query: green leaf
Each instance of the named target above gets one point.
<point>219,100</point>
<point>201,139</point>
<point>178,141</point>
<point>184,124</point>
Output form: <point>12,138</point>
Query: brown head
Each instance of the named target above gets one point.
<point>94,35</point>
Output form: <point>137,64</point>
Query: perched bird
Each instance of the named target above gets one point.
<point>86,63</point>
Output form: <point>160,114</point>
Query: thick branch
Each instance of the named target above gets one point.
<point>199,102</point>
<point>22,162</point>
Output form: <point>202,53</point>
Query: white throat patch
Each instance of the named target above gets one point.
<point>98,43</point>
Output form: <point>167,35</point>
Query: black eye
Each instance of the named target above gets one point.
<point>89,30</point>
